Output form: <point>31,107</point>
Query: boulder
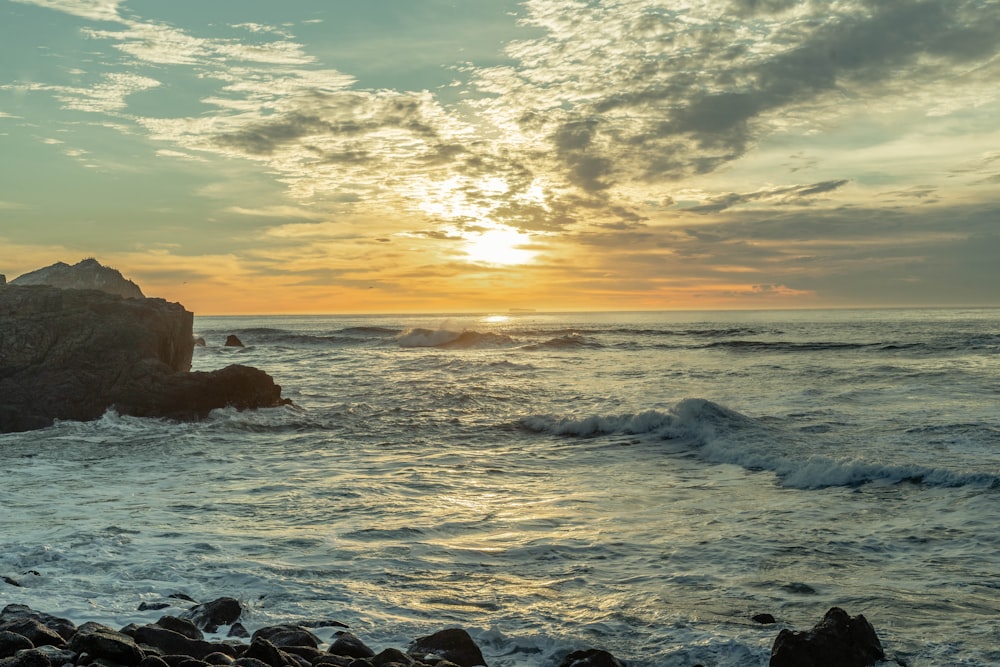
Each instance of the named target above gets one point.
<point>72,354</point>
<point>210,615</point>
<point>88,274</point>
<point>101,642</point>
<point>838,640</point>
<point>348,645</point>
<point>453,644</point>
<point>232,340</point>
<point>591,658</point>
<point>12,614</point>
<point>12,642</point>
<point>287,635</point>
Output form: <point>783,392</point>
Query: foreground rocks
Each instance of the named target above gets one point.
<point>34,639</point>
<point>839,640</point>
<point>72,354</point>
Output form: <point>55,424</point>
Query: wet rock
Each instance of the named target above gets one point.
<point>391,657</point>
<point>11,643</point>
<point>15,612</point>
<point>591,658</point>
<point>233,341</point>
<point>74,354</point>
<point>33,630</point>
<point>210,615</point>
<point>347,644</point>
<point>764,619</point>
<point>838,640</point>
<point>27,658</point>
<point>453,644</point>
<point>181,626</point>
<point>238,631</point>
<point>266,652</point>
<point>153,661</point>
<point>99,641</point>
<point>169,642</point>
<point>287,635</point>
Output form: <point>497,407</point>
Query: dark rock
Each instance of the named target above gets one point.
<point>199,342</point>
<point>347,644</point>
<point>452,644</point>
<point>333,660</point>
<point>153,606</point>
<point>238,631</point>
<point>266,652</point>
<point>28,658</point>
<point>169,642</point>
<point>764,619</point>
<point>181,626</point>
<point>61,626</point>
<point>153,661</point>
<point>249,662</point>
<point>307,653</point>
<point>34,631</point>
<point>222,611</point>
<point>233,341</point>
<point>287,635</point>
<point>11,643</point>
<point>86,275</point>
<point>12,582</point>
<point>837,641</point>
<point>57,656</point>
<point>219,659</point>
<point>191,662</point>
<point>392,656</point>
<point>99,641</point>
<point>73,354</point>
<point>591,658</point>
<point>3,280</point>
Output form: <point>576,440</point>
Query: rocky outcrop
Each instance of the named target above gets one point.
<point>839,640</point>
<point>87,274</point>
<point>72,354</point>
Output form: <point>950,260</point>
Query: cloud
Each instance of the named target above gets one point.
<point>94,10</point>
<point>801,195</point>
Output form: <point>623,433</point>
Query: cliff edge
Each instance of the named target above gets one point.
<point>73,354</point>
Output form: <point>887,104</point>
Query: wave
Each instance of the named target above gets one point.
<point>715,434</point>
<point>568,341</point>
<point>447,338</point>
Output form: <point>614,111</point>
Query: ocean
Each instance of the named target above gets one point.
<point>642,483</point>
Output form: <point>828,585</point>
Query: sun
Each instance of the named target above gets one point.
<point>501,246</point>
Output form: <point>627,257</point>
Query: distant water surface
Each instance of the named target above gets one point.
<point>638,482</point>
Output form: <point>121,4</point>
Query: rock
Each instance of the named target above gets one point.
<point>266,652</point>
<point>764,619</point>
<point>200,342</point>
<point>222,611</point>
<point>453,644</point>
<point>233,341</point>
<point>219,659</point>
<point>348,645</point>
<point>72,354</point>
<point>181,626</point>
<point>238,631</point>
<point>11,643</point>
<point>591,658</point>
<point>392,656</point>
<point>173,643</point>
<point>287,635</point>
<point>153,606</point>
<point>34,631</point>
<point>153,661</point>
<point>88,274</point>
<point>28,658</point>
<point>60,626</point>
<point>3,280</point>
<point>99,641</point>
<point>837,641</point>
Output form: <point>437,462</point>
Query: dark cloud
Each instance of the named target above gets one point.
<point>782,196</point>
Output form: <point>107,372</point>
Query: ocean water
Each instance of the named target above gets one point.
<point>642,483</point>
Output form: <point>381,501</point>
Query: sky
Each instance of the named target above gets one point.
<point>334,156</point>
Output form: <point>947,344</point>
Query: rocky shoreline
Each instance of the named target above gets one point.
<point>30,638</point>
